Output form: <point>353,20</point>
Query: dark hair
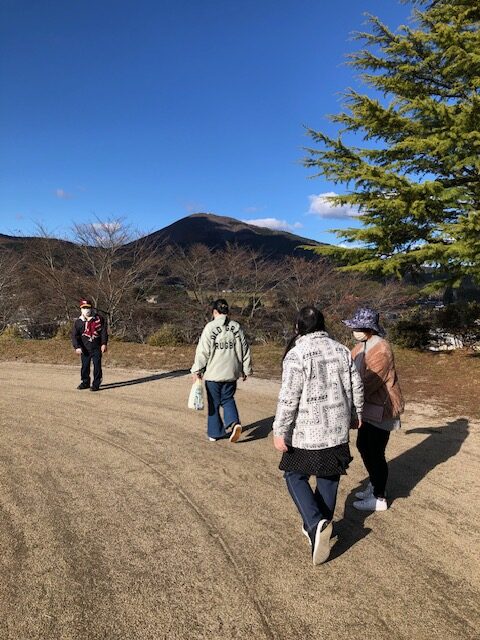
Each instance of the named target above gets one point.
<point>221,306</point>
<point>309,320</point>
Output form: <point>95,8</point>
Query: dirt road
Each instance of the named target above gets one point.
<point>119,520</point>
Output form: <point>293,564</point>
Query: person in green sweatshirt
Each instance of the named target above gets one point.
<point>221,358</point>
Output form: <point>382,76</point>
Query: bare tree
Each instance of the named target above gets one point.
<point>234,263</point>
<point>248,275</point>
<point>197,269</point>
<point>265,276</point>
<point>55,264</point>
<point>308,282</point>
<point>10,278</point>
<point>121,268</point>
<point>317,282</point>
<point>251,274</point>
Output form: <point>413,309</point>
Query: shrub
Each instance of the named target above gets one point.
<point>458,316</point>
<point>462,319</point>
<point>412,332</point>
<point>11,332</point>
<point>64,331</point>
<point>169,335</point>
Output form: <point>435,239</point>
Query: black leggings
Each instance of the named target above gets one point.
<point>372,442</point>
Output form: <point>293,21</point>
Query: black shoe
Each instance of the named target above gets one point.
<point>83,385</point>
<point>94,388</point>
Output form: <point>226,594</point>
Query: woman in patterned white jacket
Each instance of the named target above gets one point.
<point>321,398</point>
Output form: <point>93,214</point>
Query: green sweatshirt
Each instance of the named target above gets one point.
<point>223,354</point>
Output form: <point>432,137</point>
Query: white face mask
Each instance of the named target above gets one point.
<point>361,336</point>
<point>87,312</point>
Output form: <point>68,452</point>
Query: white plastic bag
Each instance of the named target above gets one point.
<point>195,399</point>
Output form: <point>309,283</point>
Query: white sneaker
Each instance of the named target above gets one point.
<point>366,493</point>
<point>212,439</point>
<point>236,432</point>
<point>321,548</point>
<point>371,504</point>
<point>305,533</point>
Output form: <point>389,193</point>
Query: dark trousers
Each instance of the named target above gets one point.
<point>221,394</point>
<point>372,442</point>
<point>313,505</point>
<point>94,356</point>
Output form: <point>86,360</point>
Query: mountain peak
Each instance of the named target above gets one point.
<point>216,231</point>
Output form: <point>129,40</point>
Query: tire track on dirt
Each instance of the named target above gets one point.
<point>69,406</point>
<point>212,530</point>
<point>415,577</point>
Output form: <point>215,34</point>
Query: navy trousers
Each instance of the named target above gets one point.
<point>94,356</point>
<point>316,505</point>
<point>220,395</point>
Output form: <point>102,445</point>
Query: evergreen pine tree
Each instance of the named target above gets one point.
<point>415,177</point>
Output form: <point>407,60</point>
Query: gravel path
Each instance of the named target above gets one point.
<point>119,520</point>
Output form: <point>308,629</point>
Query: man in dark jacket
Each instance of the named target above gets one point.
<point>89,339</point>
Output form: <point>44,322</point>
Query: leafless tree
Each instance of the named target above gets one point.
<point>54,263</point>
<point>121,268</point>
<point>264,277</point>
<point>10,280</point>
<point>316,282</point>
<point>197,269</point>
<point>248,276</point>
<point>308,282</point>
<point>234,263</point>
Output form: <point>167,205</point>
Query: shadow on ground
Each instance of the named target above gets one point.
<point>152,378</point>
<point>257,430</point>
<point>405,472</point>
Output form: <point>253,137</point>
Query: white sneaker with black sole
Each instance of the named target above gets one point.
<point>321,546</point>
<point>371,504</point>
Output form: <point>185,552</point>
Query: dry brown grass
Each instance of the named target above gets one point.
<point>448,379</point>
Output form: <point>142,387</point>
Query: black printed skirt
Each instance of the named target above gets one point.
<point>317,462</point>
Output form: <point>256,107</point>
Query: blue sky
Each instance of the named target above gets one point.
<point>155,109</point>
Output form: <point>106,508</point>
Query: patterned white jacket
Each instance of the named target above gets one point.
<point>321,392</point>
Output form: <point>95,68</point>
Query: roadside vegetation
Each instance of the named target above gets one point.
<point>160,294</point>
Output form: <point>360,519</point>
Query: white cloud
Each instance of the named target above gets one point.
<point>324,208</point>
<point>274,223</point>
<point>63,195</point>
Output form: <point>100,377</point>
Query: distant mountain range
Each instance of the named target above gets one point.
<point>208,229</point>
